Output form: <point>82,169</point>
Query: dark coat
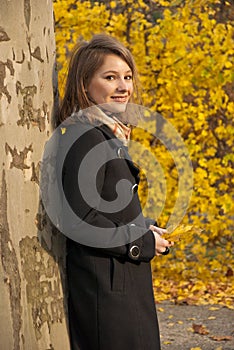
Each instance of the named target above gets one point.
<point>111,303</point>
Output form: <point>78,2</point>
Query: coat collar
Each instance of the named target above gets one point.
<point>121,150</point>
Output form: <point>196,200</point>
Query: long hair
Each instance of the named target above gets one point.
<point>86,59</point>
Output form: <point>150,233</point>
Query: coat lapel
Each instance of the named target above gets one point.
<point>121,151</point>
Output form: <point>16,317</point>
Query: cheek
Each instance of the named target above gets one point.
<point>106,90</point>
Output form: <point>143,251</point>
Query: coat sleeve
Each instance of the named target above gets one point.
<point>149,221</point>
<point>141,249</point>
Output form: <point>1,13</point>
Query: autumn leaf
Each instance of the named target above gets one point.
<point>220,337</point>
<point>200,329</point>
<point>161,309</point>
<point>229,272</point>
<point>179,233</point>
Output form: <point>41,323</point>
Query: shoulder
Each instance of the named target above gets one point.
<point>80,133</point>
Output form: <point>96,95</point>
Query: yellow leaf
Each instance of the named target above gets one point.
<point>112,4</point>
<point>190,329</point>
<point>177,106</point>
<point>228,64</point>
<point>179,232</point>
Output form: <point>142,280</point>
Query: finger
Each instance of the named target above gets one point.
<point>163,230</point>
<point>164,251</point>
<point>168,243</point>
<point>159,230</point>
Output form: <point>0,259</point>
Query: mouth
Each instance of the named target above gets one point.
<point>120,99</point>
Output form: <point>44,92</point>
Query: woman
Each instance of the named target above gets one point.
<point>111,304</point>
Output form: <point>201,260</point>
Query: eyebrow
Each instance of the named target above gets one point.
<point>113,71</point>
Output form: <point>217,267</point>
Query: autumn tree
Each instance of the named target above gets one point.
<point>184,53</point>
<point>32,301</point>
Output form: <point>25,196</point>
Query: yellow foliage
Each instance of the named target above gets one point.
<point>180,233</point>
<point>185,61</point>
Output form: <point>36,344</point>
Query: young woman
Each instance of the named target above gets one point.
<point>111,304</point>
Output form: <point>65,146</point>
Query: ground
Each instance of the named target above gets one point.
<point>186,327</point>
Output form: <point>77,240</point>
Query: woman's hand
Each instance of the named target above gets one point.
<point>160,243</point>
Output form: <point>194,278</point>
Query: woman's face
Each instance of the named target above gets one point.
<point>111,83</point>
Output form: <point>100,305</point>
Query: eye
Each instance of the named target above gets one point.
<point>128,77</point>
<point>110,77</point>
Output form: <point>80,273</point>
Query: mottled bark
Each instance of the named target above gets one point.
<point>32,306</point>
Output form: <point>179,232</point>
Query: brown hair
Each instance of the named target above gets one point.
<point>86,58</point>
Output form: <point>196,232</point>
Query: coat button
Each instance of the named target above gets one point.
<point>134,252</point>
<point>120,152</point>
<point>134,188</point>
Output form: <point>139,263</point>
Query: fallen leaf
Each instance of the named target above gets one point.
<point>167,342</point>
<point>229,272</point>
<point>219,348</point>
<point>190,329</point>
<point>161,309</point>
<point>221,337</point>
<point>180,322</point>
<point>200,329</point>
<point>230,307</point>
<point>197,348</point>
<point>213,308</point>
<point>212,318</point>
<point>170,316</point>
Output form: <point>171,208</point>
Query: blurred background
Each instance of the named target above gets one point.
<point>184,52</point>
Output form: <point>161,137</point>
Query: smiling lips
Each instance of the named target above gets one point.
<point>121,99</point>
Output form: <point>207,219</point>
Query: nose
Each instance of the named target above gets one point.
<point>122,85</point>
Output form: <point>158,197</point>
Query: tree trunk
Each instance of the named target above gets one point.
<point>32,306</point>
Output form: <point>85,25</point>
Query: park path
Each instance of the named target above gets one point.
<point>205,327</point>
